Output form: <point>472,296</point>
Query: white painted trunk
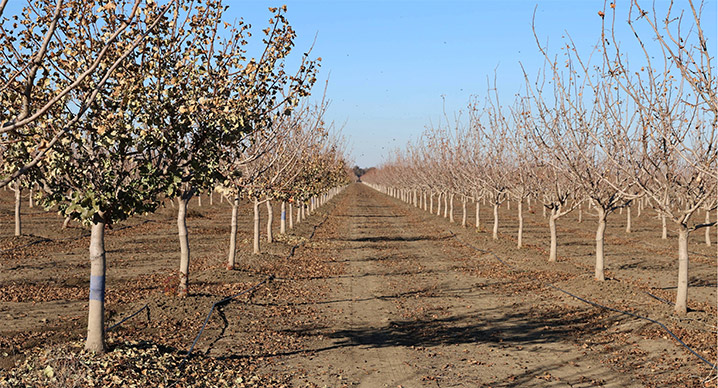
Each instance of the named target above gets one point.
<point>96,315</point>
<point>255,245</point>
<point>600,232</point>
<point>18,205</point>
<point>580,214</point>
<point>31,202</point>
<point>520,237</point>
<point>451,208</point>
<point>184,244</point>
<point>463,212</point>
<point>628,219</point>
<point>478,215</point>
<point>664,230</point>
<point>552,228</point>
<point>283,218</point>
<point>291,216</point>
<point>431,203</point>
<point>708,229</point>
<point>682,289</point>
<point>438,205</point>
<point>270,219</point>
<point>495,234</point>
<point>446,205</point>
<point>231,259</point>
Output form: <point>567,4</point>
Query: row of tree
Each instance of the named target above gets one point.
<point>111,108</point>
<point>607,135</point>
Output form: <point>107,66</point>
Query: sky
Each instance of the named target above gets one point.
<point>394,67</point>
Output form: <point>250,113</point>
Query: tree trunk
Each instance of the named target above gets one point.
<point>431,203</point>
<point>451,208</point>
<point>495,234</point>
<point>270,219</point>
<point>18,204</point>
<point>256,226</point>
<point>446,205</point>
<point>580,214</point>
<point>184,243</point>
<point>544,211</point>
<point>438,205</point>
<point>424,195</point>
<point>66,223</point>
<point>31,201</point>
<point>233,235</point>
<point>600,232</point>
<point>96,315</point>
<point>283,218</point>
<point>520,239</point>
<point>478,216</point>
<point>199,200</point>
<point>682,289</point>
<point>552,228</point>
<point>664,231</point>
<point>211,197</point>
<point>291,216</point>
<point>708,229</point>
<point>463,212</point>
<point>628,219</point>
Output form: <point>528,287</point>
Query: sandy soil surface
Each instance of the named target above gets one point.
<point>372,292</point>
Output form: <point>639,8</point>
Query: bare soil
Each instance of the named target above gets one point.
<point>368,292</point>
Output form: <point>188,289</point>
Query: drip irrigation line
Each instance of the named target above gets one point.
<point>215,305</point>
<point>595,304</point>
<point>146,306</point>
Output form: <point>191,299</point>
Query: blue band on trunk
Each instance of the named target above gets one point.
<point>97,288</point>
<point>284,215</point>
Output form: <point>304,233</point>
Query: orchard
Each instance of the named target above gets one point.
<point>178,208</point>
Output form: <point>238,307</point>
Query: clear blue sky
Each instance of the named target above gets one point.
<point>391,61</point>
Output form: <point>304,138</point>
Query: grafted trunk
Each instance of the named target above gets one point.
<point>628,219</point>
<point>552,227</point>
<point>495,234</point>
<point>520,238</point>
<point>255,245</point>
<point>233,235</point>
<point>600,232</point>
<point>96,315</point>
<point>18,205</point>
<point>283,218</point>
<point>270,219</point>
<point>184,243</point>
<point>682,289</point>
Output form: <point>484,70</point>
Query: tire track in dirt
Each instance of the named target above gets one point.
<point>406,314</point>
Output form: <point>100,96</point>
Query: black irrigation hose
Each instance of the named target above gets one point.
<point>551,285</point>
<point>146,306</point>
<point>219,303</point>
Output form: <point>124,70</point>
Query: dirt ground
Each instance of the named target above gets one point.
<point>368,292</point>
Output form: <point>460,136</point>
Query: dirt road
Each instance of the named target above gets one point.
<point>408,313</point>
